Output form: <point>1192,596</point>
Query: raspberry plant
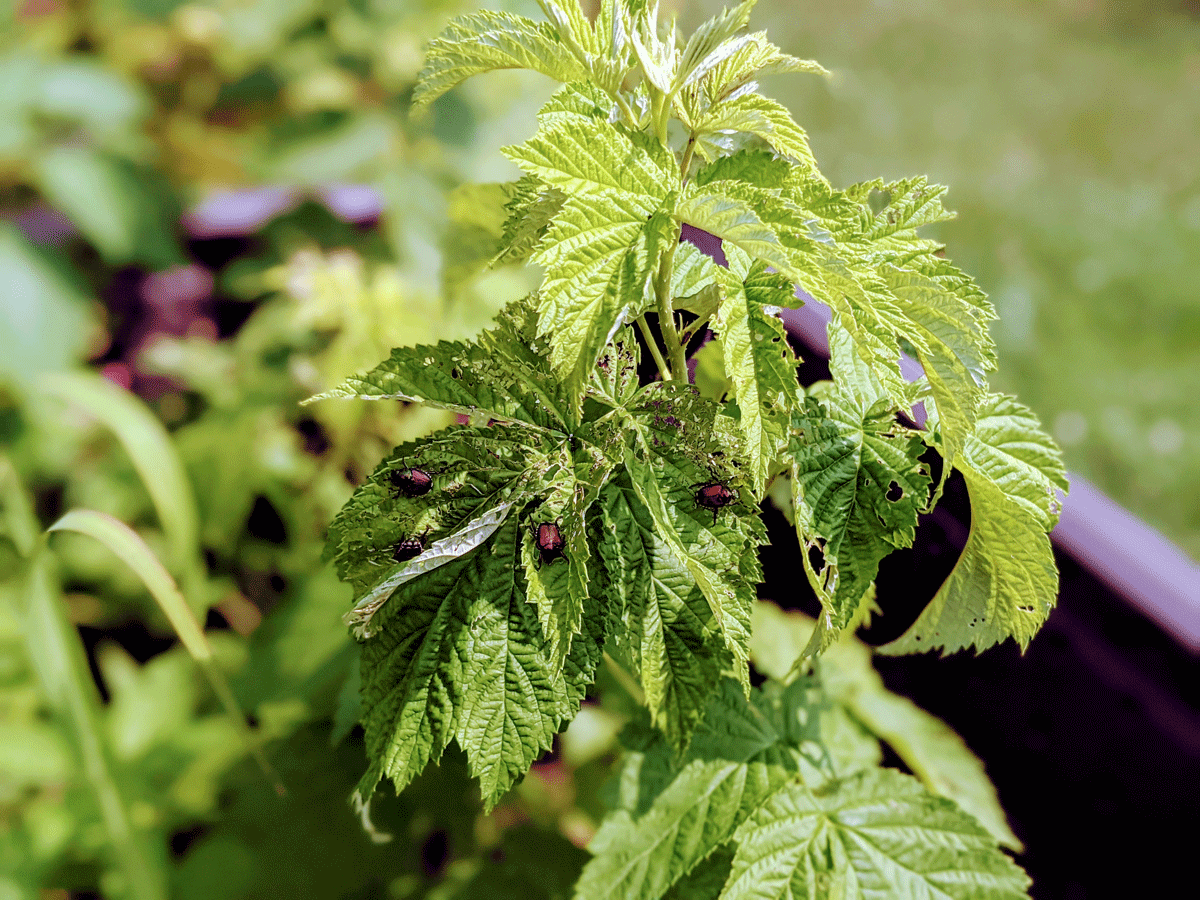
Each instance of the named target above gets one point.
<point>483,639</point>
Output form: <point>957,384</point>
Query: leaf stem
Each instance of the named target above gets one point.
<point>688,153</point>
<point>663,368</point>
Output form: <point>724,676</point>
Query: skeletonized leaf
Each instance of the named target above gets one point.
<point>680,445</point>
<point>857,486</point>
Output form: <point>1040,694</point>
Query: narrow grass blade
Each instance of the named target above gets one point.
<point>154,457</point>
<point>124,542</point>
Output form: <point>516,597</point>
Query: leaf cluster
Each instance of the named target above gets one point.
<point>485,640</point>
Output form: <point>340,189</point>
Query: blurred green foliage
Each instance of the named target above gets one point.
<point>1068,131</point>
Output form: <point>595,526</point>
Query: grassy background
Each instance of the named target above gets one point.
<point>1069,134</point>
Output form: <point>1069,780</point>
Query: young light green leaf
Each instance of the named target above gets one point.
<point>877,833</point>
<point>764,118</point>
<point>588,156</point>
<point>904,206</point>
<point>600,256</point>
<point>530,211</point>
<point>712,43</point>
<point>459,654</point>
<point>755,56</point>
<point>723,209</point>
<point>1004,585</point>
<point>758,360</point>
<point>1010,448</point>
<point>485,41</point>
<point>758,167</point>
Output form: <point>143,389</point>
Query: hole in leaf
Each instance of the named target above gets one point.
<point>879,200</point>
<point>816,558</point>
<point>894,492</point>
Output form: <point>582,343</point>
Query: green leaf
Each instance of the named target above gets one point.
<point>153,455</point>
<point>927,745</point>
<point>1005,582</point>
<point>875,834</point>
<point>857,487</point>
<point>459,655</point>
<point>501,377</point>
<point>475,471</point>
<point>126,545</point>
<point>754,57</point>
<point>1010,448</point>
<point>681,442</point>
<point>530,211</point>
<point>660,621</point>
<point>604,244</point>
<point>44,315</point>
<point>712,43</point>
<point>735,762</point>
<point>904,206</point>
<point>758,360</point>
<point>558,588</point>
<point>600,258</point>
<point>764,118</point>
<point>484,41</point>
<point>726,209</point>
<point>114,205</point>
<point>586,155</point>
<point>934,753</point>
<point>758,167</point>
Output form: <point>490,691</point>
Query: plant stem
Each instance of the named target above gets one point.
<point>626,680</point>
<point>663,368</point>
<point>666,312</point>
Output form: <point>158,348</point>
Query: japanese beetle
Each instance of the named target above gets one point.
<point>408,548</point>
<point>715,496</point>
<point>411,482</point>
<point>550,542</point>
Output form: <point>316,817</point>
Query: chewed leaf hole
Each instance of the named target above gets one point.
<point>894,492</point>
